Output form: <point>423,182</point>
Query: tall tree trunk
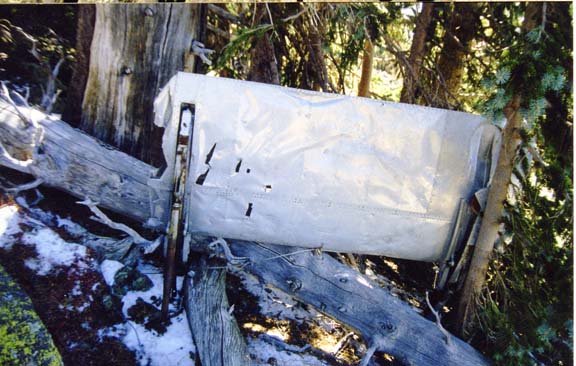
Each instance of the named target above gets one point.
<point>460,30</point>
<point>417,51</point>
<point>135,50</point>
<point>366,76</point>
<point>497,195</point>
<point>85,29</point>
<point>263,64</point>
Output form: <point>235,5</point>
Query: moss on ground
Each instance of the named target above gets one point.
<point>23,338</point>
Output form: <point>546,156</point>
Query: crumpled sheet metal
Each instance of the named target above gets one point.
<point>302,168</point>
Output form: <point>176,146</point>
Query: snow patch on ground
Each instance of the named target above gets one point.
<point>9,219</point>
<point>264,353</point>
<point>175,347</point>
<point>109,269</point>
<point>52,251</point>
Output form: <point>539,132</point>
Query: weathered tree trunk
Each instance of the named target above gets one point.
<point>496,196</point>
<point>135,50</point>
<point>315,51</point>
<point>85,30</point>
<point>417,51</point>
<point>263,64</point>
<point>206,303</point>
<point>460,30</point>
<point>366,75</point>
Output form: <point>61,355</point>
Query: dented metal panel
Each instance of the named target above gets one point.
<point>311,169</point>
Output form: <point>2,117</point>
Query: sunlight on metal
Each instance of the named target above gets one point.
<point>302,168</point>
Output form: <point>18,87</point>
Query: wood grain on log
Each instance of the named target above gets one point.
<point>70,160</point>
<point>216,334</point>
<point>386,322</point>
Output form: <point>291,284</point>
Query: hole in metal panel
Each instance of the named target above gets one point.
<point>202,177</point>
<point>267,188</point>
<point>249,210</point>
<point>248,170</point>
<point>210,153</point>
<point>238,166</point>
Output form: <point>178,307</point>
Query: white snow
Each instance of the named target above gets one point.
<point>109,269</point>
<point>8,224</point>
<point>52,250</point>
<point>174,347</point>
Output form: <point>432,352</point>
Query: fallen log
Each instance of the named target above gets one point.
<point>214,328</point>
<point>384,321</point>
<point>70,160</point>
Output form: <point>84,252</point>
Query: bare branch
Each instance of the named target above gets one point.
<point>218,31</point>
<point>149,246</point>
<point>24,187</point>
<point>199,50</point>
<point>438,323</point>
<point>223,13</point>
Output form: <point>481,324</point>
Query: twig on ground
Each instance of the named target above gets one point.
<point>149,246</point>
<point>438,323</point>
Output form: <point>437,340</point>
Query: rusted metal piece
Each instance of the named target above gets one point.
<point>174,238</point>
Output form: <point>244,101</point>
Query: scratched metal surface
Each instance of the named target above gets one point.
<point>293,167</point>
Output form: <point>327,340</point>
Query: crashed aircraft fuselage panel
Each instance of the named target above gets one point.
<point>301,168</point>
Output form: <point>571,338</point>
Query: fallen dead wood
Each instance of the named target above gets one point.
<point>386,323</point>
<point>214,328</point>
<point>70,160</point>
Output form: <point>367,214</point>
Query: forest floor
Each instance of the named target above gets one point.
<point>96,319</point>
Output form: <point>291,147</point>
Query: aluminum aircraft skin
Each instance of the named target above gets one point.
<point>309,169</point>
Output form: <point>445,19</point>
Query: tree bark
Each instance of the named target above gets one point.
<point>263,64</point>
<point>85,29</point>
<point>417,52</point>
<point>460,30</point>
<point>206,303</point>
<point>315,51</point>
<point>386,323</point>
<point>135,50</point>
<point>366,75</point>
<point>496,196</point>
